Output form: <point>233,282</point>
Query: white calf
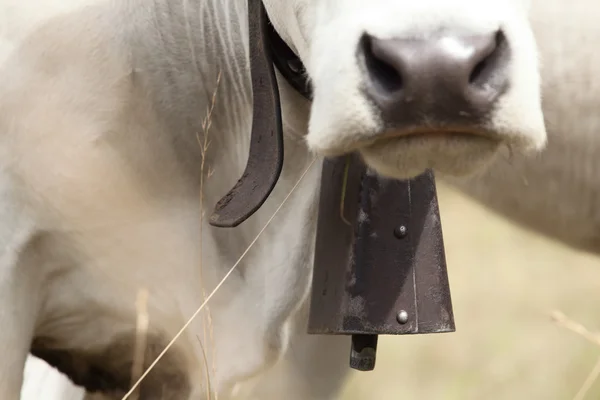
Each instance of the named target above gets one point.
<point>102,145</point>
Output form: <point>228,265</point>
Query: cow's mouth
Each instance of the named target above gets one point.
<point>436,141</point>
<point>405,154</point>
<point>425,133</point>
<point>434,136</point>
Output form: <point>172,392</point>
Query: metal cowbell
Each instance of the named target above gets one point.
<point>379,264</point>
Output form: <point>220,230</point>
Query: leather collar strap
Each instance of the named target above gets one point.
<point>265,159</point>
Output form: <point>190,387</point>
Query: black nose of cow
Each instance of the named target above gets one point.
<point>449,78</point>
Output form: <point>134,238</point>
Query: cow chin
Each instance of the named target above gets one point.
<point>449,154</point>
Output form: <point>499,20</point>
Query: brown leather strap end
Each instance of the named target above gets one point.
<point>265,160</point>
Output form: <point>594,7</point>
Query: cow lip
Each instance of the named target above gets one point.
<point>394,135</point>
<point>424,132</point>
<point>463,134</point>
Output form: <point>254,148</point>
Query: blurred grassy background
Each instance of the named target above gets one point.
<point>505,282</point>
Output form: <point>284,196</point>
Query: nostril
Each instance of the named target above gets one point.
<point>490,57</point>
<point>477,71</point>
<point>446,76</point>
<point>380,68</point>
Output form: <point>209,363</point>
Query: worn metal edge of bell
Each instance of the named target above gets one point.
<point>449,329</point>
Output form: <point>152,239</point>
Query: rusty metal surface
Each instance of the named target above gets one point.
<point>366,274</point>
<point>265,159</point>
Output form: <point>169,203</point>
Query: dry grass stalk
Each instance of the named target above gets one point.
<point>562,320</point>
<point>589,382</point>
<point>141,335</point>
<point>231,270</point>
<point>344,186</point>
<point>208,381</point>
<point>204,144</point>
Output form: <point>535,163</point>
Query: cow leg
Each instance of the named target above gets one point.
<point>17,318</point>
<point>19,294</point>
<point>44,382</point>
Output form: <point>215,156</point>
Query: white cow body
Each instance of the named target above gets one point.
<point>100,198</point>
<point>101,134</point>
<point>556,193</point>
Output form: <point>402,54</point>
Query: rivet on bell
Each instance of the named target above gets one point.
<point>400,232</point>
<point>402,317</point>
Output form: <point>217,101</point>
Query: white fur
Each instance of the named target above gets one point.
<point>557,191</point>
<point>342,118</point>
<point>100,103</point>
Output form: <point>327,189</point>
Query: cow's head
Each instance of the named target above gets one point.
<point>409,84</point>
<point>416,84</point>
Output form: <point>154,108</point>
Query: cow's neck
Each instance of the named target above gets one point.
<point>179,49</point>
<point>179,73</point>
<point>183,53</point>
